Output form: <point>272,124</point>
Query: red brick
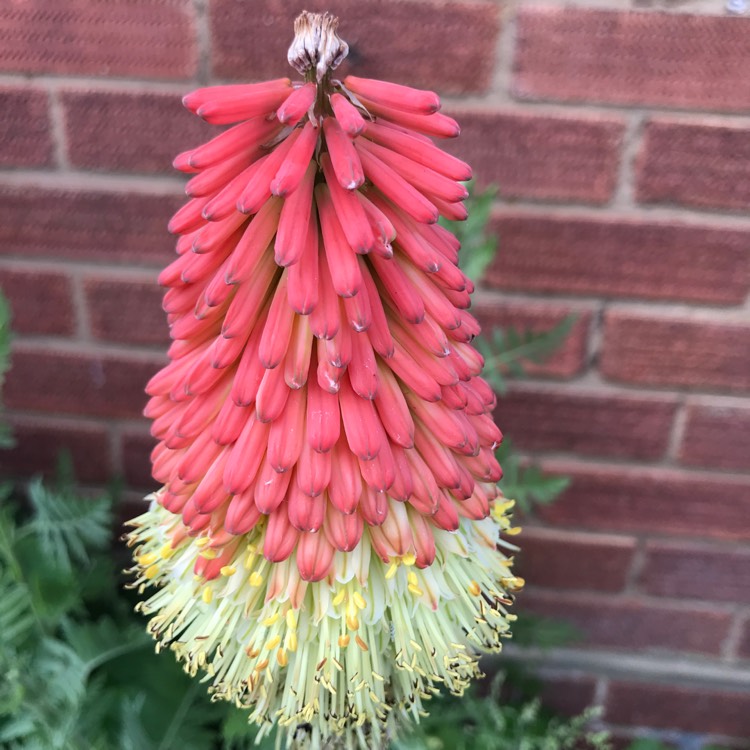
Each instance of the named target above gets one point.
<point>105,385</point>
<point>681,569</point>
<point>667,59</point>
<point>568,560</point>
<point>717,435</point>
<point>691,709</point>
<point>630,624</point>
<point>142,38</point>
<point>26,140</point>
<point>448,46</point>
<point>136,459</point>
<point>695,164</point>
<point>620,258</point>
<point>566,361</point>
<point>650,500</point>
<point>743,649</point>
<point>694,352</point>
<point>40,443</point>
<point>40,301</point>
<point>86,225</point>
<point>541,419</point>
<point>542,157</point>
<point>144,131</point>
<point>567,696</point>
<point>127,310</point>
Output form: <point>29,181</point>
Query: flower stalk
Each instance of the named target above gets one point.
<point>329,545</point>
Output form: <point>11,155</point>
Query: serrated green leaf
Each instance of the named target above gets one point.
<point>67,526</point>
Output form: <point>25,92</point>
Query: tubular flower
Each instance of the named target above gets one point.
<point>328,541</point>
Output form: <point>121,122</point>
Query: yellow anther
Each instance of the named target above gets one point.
<point>208,594</point>
<point>339,597</point>
<point>361,643</point>
<point>270,620</point>
<point>412,579</point>
<point>514,583</point>
<point>291,619</point>
<point>391,571</point>
<point>261,666</point>
<point>502,507</point>
<point>255,579</point>
<point>273,643</point>
<point>409,559</point>
<point>291,642</point>
<point>352,622</point>
<point>511,617</point>
<point>148,559</point>
<point>474,589</point>
<point>228,570</point>
<point>416,590</point>
<point>151,571</point>
<point>281,657</point>
<point>344,641</point>
<point>202,541</point>
<point>513,530</point>
<point>359,600</point>
<point>197,577</point>
<point>251,651</point>
<point>209,554</point>
<point>249,560</point>
<point>166,551</point>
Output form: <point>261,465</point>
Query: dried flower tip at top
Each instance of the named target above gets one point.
<point>316,44</point>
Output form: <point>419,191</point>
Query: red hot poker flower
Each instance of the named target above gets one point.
<point>325,542</point>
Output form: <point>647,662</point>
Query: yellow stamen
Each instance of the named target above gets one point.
<point>270,620</point>
<point>281,657</point>
<point>148,559</point>
<point>255,579</point>
<point>209,554</point>
<point>339,597</point>
<point>228,570</point>
<point>415,590</point>
<point>291,619</point>
<point>344,641</point>
<point>273,643</point>
<point>166,551</point>
<point>202,542</point>
<point>513,531</point>
<point>409,559</point>
<point>361,643</point>
<point>359,600</point>
<point>151,571</point>
<point>208,594</point>
<point>474,589</point>
<point>352,622</point>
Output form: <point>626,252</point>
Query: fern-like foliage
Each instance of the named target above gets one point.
<point>491,724</point>
<point>507,352</point>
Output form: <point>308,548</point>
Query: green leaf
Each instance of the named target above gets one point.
<point>68,527</point>
<point>478,246</point>
<point>528,485</point>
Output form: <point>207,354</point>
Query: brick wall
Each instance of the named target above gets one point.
<point>618,135</point>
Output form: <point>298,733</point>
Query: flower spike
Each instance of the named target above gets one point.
<point>329,544</point>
